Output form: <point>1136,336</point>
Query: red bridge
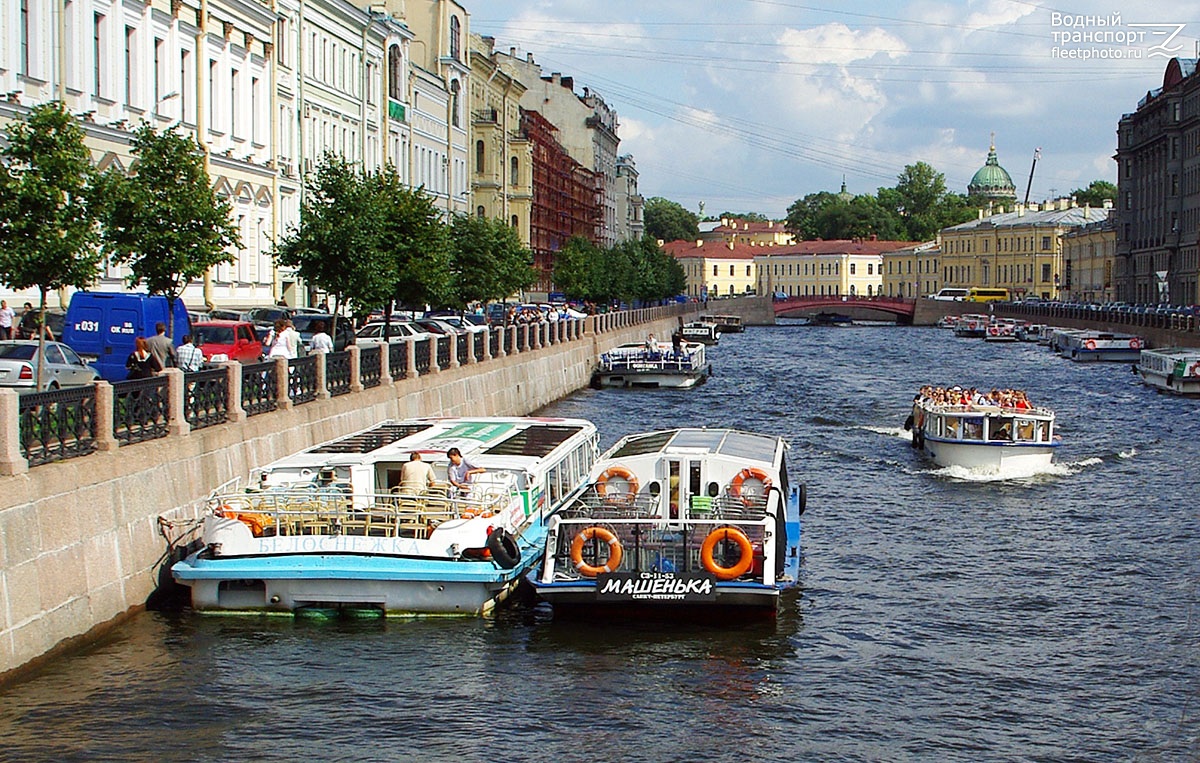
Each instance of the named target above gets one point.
<point>797,307</point>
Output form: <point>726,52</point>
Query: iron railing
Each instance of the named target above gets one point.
<point>57,425</point>
<point>258,387</point>
<point>477,341</point>
<point>206,398</point>
<point>369,373</point>
<point>462,348</point>
<point>140,409</point>
<point>443,351</point>
<point>421,349</point>
<point>495,337</point>
<point>302,379</point>
<point>337,373</point>
<point>398,360</point>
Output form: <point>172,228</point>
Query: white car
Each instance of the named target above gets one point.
<point>460,323</point>
<point>63,367</point>
<point>372,333</point>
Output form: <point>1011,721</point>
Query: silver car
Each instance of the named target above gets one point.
<point>63,368</point>
<point>372,333</point>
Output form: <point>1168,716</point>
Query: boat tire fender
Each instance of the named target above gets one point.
<point>505,550</point>
<point>745,558</point>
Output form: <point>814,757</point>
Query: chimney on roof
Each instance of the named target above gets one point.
<point>512,51</point>
<point>568,83</point>
<point>731,246</point>
<point>874,236</point>
<point>699,243</point>
<point>1087,211</point>
<point>1020,210</point>
<point>1108,204</point>
<point>981,214</point>
<point>529,58</point>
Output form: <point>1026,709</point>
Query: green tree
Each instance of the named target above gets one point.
<point>489,262</point>
<point>801,219</point>
<point>669,221</point>
<point>861,217</point>
<point>750,217</point>
<point>575,268</point>
<point>1097,192</point>
<point>414,241</point>
<point>923,204</point>
<point>164,221</point>
<point>48,233</point>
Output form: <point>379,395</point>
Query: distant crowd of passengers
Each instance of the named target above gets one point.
<point>970,397</point>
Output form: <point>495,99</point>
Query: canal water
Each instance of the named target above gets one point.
<point>941,618</point>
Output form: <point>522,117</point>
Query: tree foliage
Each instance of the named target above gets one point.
<point>489,262</point>
<point>48,233</point>
<point>631,271</point>
<point>750,217</point>
<point>668,221</point>
<point>1097,192</point>
<point>164,221</point>
<point>801,219</point>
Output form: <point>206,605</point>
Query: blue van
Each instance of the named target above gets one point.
<point>102,326</point>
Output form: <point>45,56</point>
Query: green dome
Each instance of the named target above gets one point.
<point>992,180</point>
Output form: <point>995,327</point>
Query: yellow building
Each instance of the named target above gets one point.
<point>734,230</point>
<point>1089,253</point>
<point>1019,250</point>
<point>824,268</point>
<point>913,271</point>
<point>715,269</point>
<point>502,158</point>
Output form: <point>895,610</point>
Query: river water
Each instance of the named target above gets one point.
<point>940,617</point>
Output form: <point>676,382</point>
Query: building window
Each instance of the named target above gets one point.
<point>747,272</point>
<point>1046,272</point>
<point>212,93</point>
<point>1045,243</point>
<point>479,157</point>
<point>715,270</point>
<point>515,222</point>
<point>24,37</point>
<point>97,59</point>
<point>731,276</point>
<point>160,74</point>
<point>455,44</point>
<point>454,103</point>
<point>395,73</point>
<point>235,113</point>
<point>479,212</point>
<point>514,177</point>
<point>186,79</point>
<point>130,45</point>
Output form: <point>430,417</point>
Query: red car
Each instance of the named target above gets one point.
<point>236,340</point>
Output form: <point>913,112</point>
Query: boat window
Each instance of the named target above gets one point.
<point>972,429</point>
<point>706,439</point>
<point>1000,428</point>
<point>694,478</point>
<point>640,446</point>
<point>1042,433</point>
<point>371,440</point>
<point>534,441</point>
<point>655,488</point>
<point>1025,430</point>
<point>675,489</point>
<point>745,445</point>
<point>713,489</point>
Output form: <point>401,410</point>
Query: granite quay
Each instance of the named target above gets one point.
<point>99,480</point>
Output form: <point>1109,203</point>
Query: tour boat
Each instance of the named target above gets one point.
<point>1171,369</point>
<point>947,322</point>
<point>677,522</point>
<point>1087,346</point>
<point>652,364</point>
<point>831,319</point>
<point>331,529</point>
<point>1029,332</point>
<point>726,324</point>
<point>1000,332</point>
<point>984,438</point>
<point>971,325</point>
<point>700,331</point>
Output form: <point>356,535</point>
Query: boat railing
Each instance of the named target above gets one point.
<point>594,504</point>
<point>665,360</point>
<point>650,545</point>
<point>332,510</point>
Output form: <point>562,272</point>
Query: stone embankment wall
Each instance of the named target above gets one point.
<point>81,544</point>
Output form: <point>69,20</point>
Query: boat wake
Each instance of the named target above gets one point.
<point>890,431</point>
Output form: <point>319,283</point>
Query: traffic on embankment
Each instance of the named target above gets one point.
<point>92,475</point>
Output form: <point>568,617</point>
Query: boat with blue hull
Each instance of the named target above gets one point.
<point>985,438</point>
<point>338,528</point>
<point>677,523</point>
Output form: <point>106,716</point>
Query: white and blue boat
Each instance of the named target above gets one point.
<point>331,529</point>
<point>652,365</point>
<point>680,522</point>
<point>1175,370</point>
<point>985,438</point>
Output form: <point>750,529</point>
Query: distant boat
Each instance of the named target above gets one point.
<point>969,325</point>
<point>726,324</point>
<point>1086,345</point>
<point>677,523</point>
<point>831,319</point>
<point>700,331</point>
<point>984,438</point>
<point>1171,369</point>
<point>652,365</point>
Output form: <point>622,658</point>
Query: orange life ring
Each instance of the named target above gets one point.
<point>750,473</point>
<point>1090,344</point>
<point>256,522</point>
<point>614,551</point>
<point>746,551</point>
<point>1135,343</point>
<point>995,331</point>
<point>1194,370</point>
<point>621,472</point>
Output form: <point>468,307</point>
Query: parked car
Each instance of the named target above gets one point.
<point>235,340</point>
<point>460,323</point>
<point>63,367</point>
<point>305,322</point>
<point>372,333</point>
<point>438,327</point>
<point>265,317</point>
<point>102,326</point>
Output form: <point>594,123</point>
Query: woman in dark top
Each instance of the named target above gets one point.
<point>141,363</point>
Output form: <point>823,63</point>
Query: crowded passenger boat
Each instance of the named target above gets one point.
<point>421,516</point>
<point>677,522</point>
<point>993,432</point>
<point>1171,369</point>
<point>653,364</point>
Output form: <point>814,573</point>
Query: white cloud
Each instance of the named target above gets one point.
<point>838,44</point>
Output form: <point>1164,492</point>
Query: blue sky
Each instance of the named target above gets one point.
<point>748,105</point>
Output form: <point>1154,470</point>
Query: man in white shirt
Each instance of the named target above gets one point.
<point>189,356</point>
<point>321,341</point>
<point>6,320</point>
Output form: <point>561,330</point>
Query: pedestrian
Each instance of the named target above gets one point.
<point>460,471</point>
<point>27,329</point>
<point>279,341</point>
<point>142,363</point>
<point>321,341</point>
<point>189,355</point>
<point>161,345</point>
<point>6,320</point>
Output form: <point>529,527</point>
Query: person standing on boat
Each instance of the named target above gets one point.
<point>416,475</point>
<point>461,471</point>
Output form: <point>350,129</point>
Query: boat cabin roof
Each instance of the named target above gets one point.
<point>723,442</point>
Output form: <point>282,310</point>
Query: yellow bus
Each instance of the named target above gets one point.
<point>980,294</point>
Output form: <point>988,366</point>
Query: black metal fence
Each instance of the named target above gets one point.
<point>421,349</point>
<point>463,348</point>
<point>478,341</point>
<point>337,373</point>
<point>398,360</point>
<point>495,339</point>
<point>206,398</point>
<point>369,372</point>
<point>57,425</point>
<point>443,351</point>
<point>140,410</point>
<point>258,387</point>
<point>302,379</point>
